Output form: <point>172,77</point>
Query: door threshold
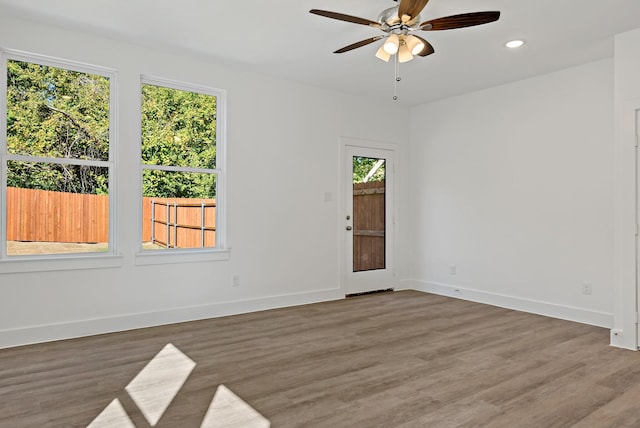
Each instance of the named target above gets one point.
<point>364,293</point>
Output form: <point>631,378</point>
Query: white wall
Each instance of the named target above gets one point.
<point>283,155</point>
<point>514,185</point>
<point>627,107</point>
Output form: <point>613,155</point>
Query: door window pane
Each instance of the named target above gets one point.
<point>369,201</point>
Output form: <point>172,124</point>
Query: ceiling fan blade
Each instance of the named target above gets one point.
<point>346,18</point>
<point>359,44</point>
<point>412,8</point>
<point>428,48</point>
<point>460,21</point>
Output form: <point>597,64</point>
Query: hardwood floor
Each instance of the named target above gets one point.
<point>403,359</point>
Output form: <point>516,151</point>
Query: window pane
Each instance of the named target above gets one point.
<point>178,127</point>
<point>58,177</point>
<point>179,210</point>
<point>56,113</point>
<point>54,214</point>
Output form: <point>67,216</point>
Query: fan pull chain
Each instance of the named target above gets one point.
<point>397,78</point>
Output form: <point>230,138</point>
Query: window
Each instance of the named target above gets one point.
<point>56,157</point>
<point>182,166</point>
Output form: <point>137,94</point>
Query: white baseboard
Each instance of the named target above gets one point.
<point>552,310</point>
<point>48,333</point>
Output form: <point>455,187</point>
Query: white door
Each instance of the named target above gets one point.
<point>368,219</point>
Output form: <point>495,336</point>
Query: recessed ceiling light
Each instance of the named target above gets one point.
<point>514,44</point>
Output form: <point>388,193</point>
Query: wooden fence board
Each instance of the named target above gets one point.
<point>44,216</point>
<point>189,214</point>
<point>369,226</point>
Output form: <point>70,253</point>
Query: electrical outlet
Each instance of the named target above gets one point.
<point>587,288</point>
<point>236,281</point>
<point>453,269</point>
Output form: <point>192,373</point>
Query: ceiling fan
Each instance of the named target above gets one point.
<point>398,24</point>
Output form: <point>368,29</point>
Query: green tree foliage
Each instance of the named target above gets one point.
<point>178,129</point>
<point>362,166</point>
<point>63,114</point>
<point>57,113</point>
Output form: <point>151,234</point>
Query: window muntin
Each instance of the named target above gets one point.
<point>181,148</point>
<point>55,153</point>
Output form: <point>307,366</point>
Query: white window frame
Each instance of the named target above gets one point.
<point>48,262</point>
<point>183,255</point>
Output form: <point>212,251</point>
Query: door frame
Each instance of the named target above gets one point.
<point>626,257</point>
<point>632,117</point>
<point>344,179</point>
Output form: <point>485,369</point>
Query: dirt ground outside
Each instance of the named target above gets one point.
<point>19,248</point>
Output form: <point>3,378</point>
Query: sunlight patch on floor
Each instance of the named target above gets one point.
<point>155,387</point>
<point>113,416</point>
<point>227,410</point>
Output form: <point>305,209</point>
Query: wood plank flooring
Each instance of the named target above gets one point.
<point>403,359</point>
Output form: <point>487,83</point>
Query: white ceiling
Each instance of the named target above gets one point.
<point>281,38</point>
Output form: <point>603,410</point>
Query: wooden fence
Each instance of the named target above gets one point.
<point>179,222</point>
<point>43,216</point>
<point>368,226</point>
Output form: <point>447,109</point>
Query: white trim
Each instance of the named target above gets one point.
<point>89,327</point>
<point>548,309</point>
<point>51,61</point>
<point>358,142</point>
<point>625,329</point>
<point>57,262</point>
<point>181,169</point>
<point>3,151</point>
<point>46,262</point>
<point>346,142</point>
<point>220,251</point>
<point>180,85</point>
<point>58,161</point>
<point>114,129</point>
<point>187,255</point>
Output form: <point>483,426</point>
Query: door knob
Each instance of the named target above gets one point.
<point>349,228</point>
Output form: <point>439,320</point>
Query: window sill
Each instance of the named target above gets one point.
<point>57,263</point>
<point>158,257</point>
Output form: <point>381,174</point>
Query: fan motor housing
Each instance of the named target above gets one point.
<point>391,22</point>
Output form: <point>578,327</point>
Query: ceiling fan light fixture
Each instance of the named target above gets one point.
<point>414,44</point>
<point>404,54</point>
<point>392,44</point>
<point>382,54</point>
<point>397,24</point>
